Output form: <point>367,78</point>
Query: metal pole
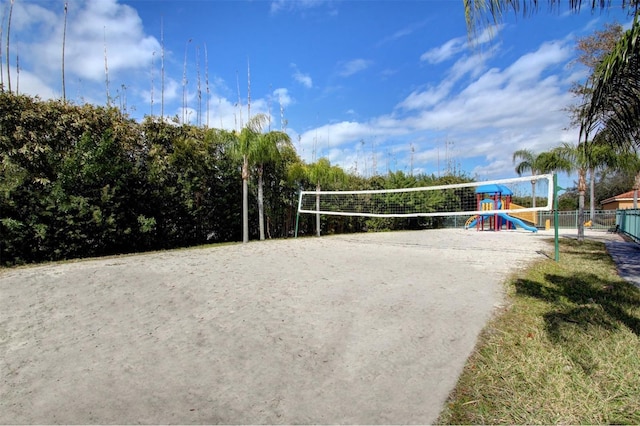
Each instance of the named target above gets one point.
<point>556,188</point>
<point>298,213</point>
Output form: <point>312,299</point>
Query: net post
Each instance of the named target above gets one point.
<point>298,213</point>
<point>556,240</point>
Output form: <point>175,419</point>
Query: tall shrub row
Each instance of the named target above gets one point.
<point>80,181</point>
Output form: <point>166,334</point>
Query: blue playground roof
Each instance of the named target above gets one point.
<point>493,189</point>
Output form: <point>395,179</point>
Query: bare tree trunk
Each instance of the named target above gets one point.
<point>260,203</point>
<point>206,81</point>
<point>162,70</point>
<point>245,200</point>
<point>18,69</point>
<point>184,84</point>
<point>106,68</point>
<point>153,55</point>
<point>248,91</point>
<point>7,52</point>
<point>64,41</point>
<point>239,100</point>
<point>4,13</point>
<point>582,189</point>
<point>199,118</point>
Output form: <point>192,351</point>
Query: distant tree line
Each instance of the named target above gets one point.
<point>84,180</point>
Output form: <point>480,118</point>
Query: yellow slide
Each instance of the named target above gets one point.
<point>531,217</point>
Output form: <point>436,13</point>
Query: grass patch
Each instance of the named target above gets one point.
<point>565,350</point>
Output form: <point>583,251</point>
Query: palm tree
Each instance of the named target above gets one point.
<point>255,148</point>
<point>242,146</point>
<point>267,150</point>
<point>484,13</point>
<point>531,162</point>
<point>584,158</point>
<point>615,104</point>
<point>322,173</point>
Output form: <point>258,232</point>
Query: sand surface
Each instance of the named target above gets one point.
<point>371,328</point>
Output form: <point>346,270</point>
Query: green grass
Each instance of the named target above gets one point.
<point>565,350</point>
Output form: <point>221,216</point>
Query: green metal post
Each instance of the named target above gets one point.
<point>556,188</point>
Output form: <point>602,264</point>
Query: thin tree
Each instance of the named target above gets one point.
<point>184,84</point>
<point>199,88</point>
<point>64,40</point>
<point>4,14</point>
<point>206,82</point>
<point>255,148</point>
<point>321,173</point>
<point>162,68</point>
<point>582,158</point>
<point>267,150</point>
<point>248,90</point>
<point>153,55</point>
<point>239,100</point>
<point>8,50</point>
<point>18,69</point>
<point>242,149</point>
<point>529,162</point>
<point>106,67</point>
<point>283,121</point>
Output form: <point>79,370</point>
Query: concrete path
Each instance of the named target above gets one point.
<point>626,254</point>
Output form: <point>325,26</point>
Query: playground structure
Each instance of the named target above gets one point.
<point>498,197</point>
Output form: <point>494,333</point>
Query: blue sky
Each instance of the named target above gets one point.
<point>372,85</point>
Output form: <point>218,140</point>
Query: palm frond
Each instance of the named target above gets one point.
<point>615,104</point>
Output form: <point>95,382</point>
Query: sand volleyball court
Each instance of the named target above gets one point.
<point>371,328</point>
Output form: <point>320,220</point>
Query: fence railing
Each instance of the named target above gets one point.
<point>628,222</point>
<point>602,219</point>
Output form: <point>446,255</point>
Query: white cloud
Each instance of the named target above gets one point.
<point>530,66</point>
<point>296,5</point>
<point>445,51</point>
<point>24,15</point>
<point>31,84</point>
<point>92,27</point>
<point>283,97</point>
<point>403,32</point>
<point>419,100</point>
<point>497,111</point>
<point>453,47</point>
<point>304,79</point>
<point>352,67</point>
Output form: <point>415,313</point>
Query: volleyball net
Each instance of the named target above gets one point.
<point>515,195</point>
